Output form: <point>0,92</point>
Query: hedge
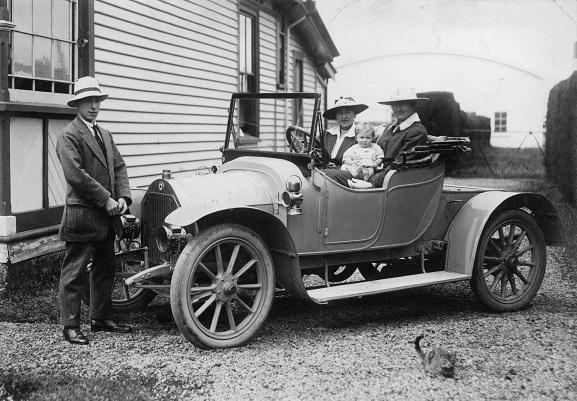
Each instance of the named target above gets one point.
<point>561,137</point>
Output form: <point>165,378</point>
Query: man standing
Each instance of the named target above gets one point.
<point>98,189</point>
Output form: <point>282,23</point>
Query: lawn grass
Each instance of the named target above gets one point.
<point>488,161</point>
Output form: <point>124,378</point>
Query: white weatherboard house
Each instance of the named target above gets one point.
<point>169,66</point>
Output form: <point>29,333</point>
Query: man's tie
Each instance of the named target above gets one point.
<point>98,137</point>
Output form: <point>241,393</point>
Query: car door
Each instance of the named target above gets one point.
<point>353,218</point>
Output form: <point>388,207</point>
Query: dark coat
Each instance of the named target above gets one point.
<point>329,141</point>
<point>91,179</point>
<point>395,143</point>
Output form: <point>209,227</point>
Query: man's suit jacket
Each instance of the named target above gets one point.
<point>92,178</point>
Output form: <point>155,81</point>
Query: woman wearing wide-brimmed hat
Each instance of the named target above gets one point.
<point>404,133</point>
<point>338,139</point>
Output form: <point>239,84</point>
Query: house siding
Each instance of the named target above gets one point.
<point>169,67</point>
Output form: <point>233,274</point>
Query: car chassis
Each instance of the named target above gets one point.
<point>220,243</point>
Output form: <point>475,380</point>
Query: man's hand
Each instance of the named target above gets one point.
<point>122,205</point>
<point>113,208</point>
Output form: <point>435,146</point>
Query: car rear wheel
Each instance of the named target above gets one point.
<point>510,262</point>
<point>341,273</point>
<point>222,287</point>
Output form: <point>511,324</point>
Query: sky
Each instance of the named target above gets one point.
<point>489,53</point>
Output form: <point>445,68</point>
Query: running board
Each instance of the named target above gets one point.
<point>364,288</point>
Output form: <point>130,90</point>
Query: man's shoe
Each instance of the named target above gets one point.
<point>108,325</point>
<point>73,335</point>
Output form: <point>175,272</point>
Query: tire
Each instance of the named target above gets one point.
<point>390,269</point>
<point>341,273</point>
<point>222,287</point>
<point>128,299</point>
<point>336,273</point>
<point>510,262</point>
<point>124,299</point>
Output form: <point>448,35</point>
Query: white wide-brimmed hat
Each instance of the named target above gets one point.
<point>86,87</point>
<point>404,95</point>
<point>344,102</point>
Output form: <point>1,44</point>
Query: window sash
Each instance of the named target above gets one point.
<point>44,48</point>
<point>248,77</point>
<point>500,121</point>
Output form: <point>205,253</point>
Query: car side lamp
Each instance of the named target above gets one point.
<point>292,198</point>
<point>126,227</point>
<point>170,238</point>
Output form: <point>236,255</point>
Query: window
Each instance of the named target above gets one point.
<point>282,38</point>
<point>500,121</point>
<point>44,61</point>
<point>44,45</point>
<point>298,86</point>
<point>248,76</point>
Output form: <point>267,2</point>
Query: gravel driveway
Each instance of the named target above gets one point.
<point>349,350</point>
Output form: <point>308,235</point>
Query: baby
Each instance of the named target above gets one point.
<point>363,158</point>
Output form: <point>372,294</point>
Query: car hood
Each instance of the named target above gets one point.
<point>243,188</point>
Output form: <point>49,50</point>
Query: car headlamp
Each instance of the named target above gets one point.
<point>170,238</point>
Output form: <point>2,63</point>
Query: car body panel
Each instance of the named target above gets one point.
<point>465,231</point>
<point>270,211</point>
<point>332,224</point>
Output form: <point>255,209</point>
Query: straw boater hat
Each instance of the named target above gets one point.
<point>344,102</point>
<point>86,87</point>
<point>404,95</point>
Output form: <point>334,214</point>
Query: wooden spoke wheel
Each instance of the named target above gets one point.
<point>222,287</point>
<point>510,262</point>
<point>341,273</point>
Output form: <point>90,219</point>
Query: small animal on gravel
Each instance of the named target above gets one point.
<point>437,361</point>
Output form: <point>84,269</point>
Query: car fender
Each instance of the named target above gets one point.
<point>465,231</point>
<point>191,213</point>
<point>267,225</point>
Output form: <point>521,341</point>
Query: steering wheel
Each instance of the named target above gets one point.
<point>299,146</point>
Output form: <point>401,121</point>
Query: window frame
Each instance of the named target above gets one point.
<point>47,215</point>
<point>35,82</point>
<point>282,47</point>
<point>19,103</point>
<point>253,78</point>
<point>298,86</point>
<point>500,121</point>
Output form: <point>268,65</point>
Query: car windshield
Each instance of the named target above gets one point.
<point>260,122</point>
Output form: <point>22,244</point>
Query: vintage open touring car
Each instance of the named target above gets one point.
<point>221,242</point>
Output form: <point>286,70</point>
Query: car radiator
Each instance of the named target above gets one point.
<point>155,208</point>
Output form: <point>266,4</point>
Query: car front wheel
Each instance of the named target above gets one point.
<point>510,262</point>
<point>222,287</point>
